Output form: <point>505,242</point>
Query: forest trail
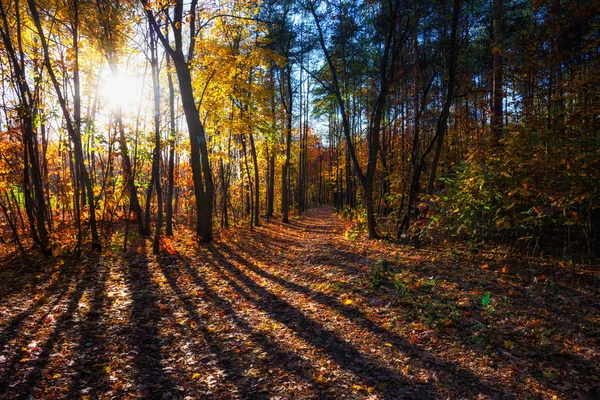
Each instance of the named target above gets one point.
<point>287,311</point>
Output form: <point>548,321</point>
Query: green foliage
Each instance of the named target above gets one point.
<point>399,286</point>
<point>529,182</point>
<point>357,222</point>
<point>485,300</point>
<point>380,274</point>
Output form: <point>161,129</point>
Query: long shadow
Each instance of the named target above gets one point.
<point>277,356</point>
<point>31,273</point>
<point>63,324</point>
<point>345,354</point>
<point>432,362</point>
<point>314,228</point>
<point>231,368</point>
<point>143,329</point>
<point>556,357</point>
<point>92,355</point>
<point>541,305</point>
<point>533,358</point>
<point>60,283</point>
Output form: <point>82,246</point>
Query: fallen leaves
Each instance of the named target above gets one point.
<point>286,311</point>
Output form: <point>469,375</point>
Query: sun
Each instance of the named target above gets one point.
<point>120,90</point>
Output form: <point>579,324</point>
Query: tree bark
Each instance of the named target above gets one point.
<point>256,180</point>
<point>171,168</point>
<point>285,189</point>
<point>35,205</point>
<point>201,171</point>
<point>75,136</point>
<point>498,96</point>
<point>156,155</point>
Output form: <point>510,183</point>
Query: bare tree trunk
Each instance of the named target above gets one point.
<point>498,96</point>
<point>156,155</point>
<point>271,185</point>
<point>271,150</point>
<point>256,181</point>
<point>171,171</point>
<point>73,133</point>
<point>285,185</point>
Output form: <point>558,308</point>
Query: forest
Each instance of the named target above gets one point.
<point>280,199</point>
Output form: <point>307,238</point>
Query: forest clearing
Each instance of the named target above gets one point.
<point>299,199</point>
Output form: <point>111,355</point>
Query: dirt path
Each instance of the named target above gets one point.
<point>284,312</point>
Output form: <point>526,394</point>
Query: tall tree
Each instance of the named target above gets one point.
<point>155,179</point>
<point>73,129</point>
<point>395,33</point>
<point>32,182</point>
<point>419,158</point>
<point>199,160</point>
<point>497,49</point>
<point>171,167</point>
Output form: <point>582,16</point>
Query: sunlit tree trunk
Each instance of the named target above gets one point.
<point>271,149</point>
<point>35,204</point>
<point>256,180</point>
<point>287,94</point>
<point>156,154</point>
<point>201,171</point>
<point>171,168</point>
<point>86,183</point>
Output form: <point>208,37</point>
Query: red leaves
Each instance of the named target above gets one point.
<point>168,246</point>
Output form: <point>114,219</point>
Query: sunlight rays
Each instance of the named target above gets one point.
<point>121,90</point>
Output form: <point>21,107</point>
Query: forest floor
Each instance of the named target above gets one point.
<point>299,310</point>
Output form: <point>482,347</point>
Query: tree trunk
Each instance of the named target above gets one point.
<point>201,172</point>
<point>498,96</point>
<point>271,185</point>
<point>171,170</point>
<point>75,137</point>
<point>285,189</point>
<point>256,181</point>
<point>156,155</point>
<point>443,121</point>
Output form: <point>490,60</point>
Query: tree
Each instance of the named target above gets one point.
<point>395,35</point>
<point>32,183</point>
<point>498,95</point>
<point>72,122</point>
<point>201,170</point>
<point>155,180</point>
<point>109,17</point>
<point>441,126</point>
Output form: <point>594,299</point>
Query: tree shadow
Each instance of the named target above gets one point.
<point>31,273</point>
<point>386,381</point>
<point>24,373</point>
<point>91,364</point>
<point>55,285</point>
<point>143,329</point>
<point>517,340</point>
<point>430,361</point>
<point>234,365</point>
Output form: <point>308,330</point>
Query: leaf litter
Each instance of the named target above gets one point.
<point>297,310</point>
